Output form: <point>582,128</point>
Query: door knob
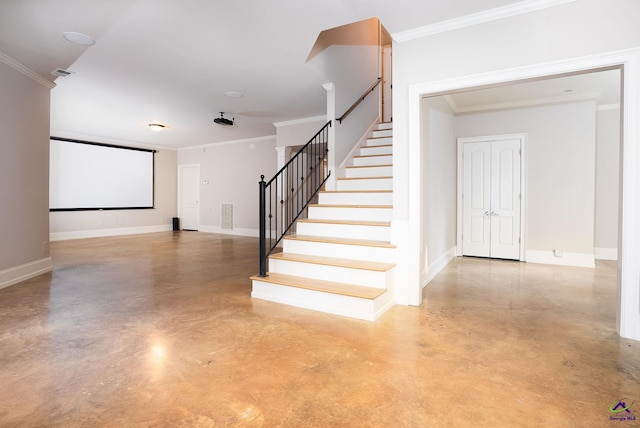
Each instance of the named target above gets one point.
<point>494,213</point>
<point>486,213</point>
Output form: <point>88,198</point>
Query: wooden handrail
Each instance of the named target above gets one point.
<point>359,100</point>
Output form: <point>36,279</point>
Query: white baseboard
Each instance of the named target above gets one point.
<point>437,266</point>
<point>254,233</point>
<point>567,259</point>
<point>606,253</point>
<point>26,271</point>
<point>97,233</point>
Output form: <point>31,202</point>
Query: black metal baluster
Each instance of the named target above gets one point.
<point>290,192</point>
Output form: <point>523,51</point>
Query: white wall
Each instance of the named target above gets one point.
<point>233,170</point>
<point>85,224</point>
<point>352,69</point>
<point>607,183</point>
<point>24,177</point>
<point>298,132</point>
<point>439,188</point>
<point>560,170</point>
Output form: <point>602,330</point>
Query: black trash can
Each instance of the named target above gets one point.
<point>176,224</point>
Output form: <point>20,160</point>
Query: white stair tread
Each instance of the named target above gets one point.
<point>381,145</point>
<point>349,206</point>
<point>359,291</point>
<point>347,222</point>
<point>356,191</point>
<point>333,261</point>
<point>370,166</point>
<point>372,156</point>
<point>366,178</point>
<point>360,242</point>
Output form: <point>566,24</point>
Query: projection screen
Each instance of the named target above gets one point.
<point>95,176</point>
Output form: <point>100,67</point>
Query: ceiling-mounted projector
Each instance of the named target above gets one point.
<point>223,121</point>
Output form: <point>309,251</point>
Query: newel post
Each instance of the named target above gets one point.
<point>263,229</point>
<point>331,146</point>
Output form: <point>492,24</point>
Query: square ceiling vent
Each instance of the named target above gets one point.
<point>61,72</point>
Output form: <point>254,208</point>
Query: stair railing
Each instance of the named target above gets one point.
<point>359,100</point>
<point>284,198</point>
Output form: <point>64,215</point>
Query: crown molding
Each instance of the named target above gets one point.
<point>26,71</point>
<point>477,18</point>
<point>533,102</point>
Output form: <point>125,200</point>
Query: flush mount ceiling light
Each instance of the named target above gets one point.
<point>223,121</point>
<point>156,127</point>
<point>233,94</point>
<point>78,38</point>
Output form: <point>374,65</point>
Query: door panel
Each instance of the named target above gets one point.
<point>476,201</point>
<point>505,199</point>
<point>190,191</point>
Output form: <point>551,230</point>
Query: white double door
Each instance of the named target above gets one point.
<point>491,199</point>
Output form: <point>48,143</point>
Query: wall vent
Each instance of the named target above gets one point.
<point>226,216</point>
<point>60,72</point>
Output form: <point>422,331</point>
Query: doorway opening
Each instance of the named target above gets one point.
<point>573,193</point>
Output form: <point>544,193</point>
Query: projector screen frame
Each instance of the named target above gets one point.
<point>113,146</point>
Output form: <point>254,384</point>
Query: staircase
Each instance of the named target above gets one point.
<point>340,260</point>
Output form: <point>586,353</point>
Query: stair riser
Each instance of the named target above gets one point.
<point>373,160</point>
<point>347,231</point>
<point>365,184</point>
<point>366,278</point>
<point>368,151</point>
<point>350,213</point>
<point>327,249</point>
<point>382,126</point>
<point>352,307</point>
<point>383,133</point>
<point>382,141</point>
<point>364,198</point>
<point>369,171</point>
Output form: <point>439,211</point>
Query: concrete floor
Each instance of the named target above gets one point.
<point>160,330</point>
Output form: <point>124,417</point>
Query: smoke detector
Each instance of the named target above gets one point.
<point>223,121</point>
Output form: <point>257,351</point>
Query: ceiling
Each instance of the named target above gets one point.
<point>172,62</point>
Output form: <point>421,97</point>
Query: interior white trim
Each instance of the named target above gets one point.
<point>606,253</point>
<point>362,141</point>
<point>606,107</point>
<point>567,259</point>
<point>116,231</point>
<point>238,231</point>
<point>26,71</point>
<point>628,313</point>
<point>477,18</point>
<point>25,271</point>
<point>522,103</point>
<point>436,267</point>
